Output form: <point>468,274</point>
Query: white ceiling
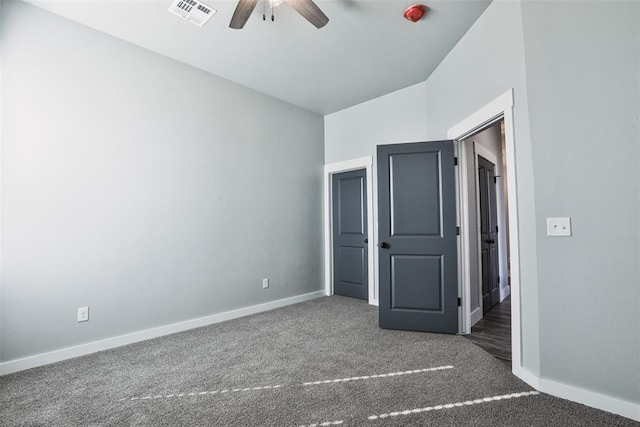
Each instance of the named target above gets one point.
<point>366,50</point>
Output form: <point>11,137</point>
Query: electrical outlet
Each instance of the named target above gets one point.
<point>559,227</point>
<point>265,283</point>
<point>83,314</point>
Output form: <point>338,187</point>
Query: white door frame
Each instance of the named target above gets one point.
<point>346,166</point>
<point>501,107</point>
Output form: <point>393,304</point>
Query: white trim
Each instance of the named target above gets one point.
<point>596,400</point>
<point>375,270</point>
<point>476,316</point>
<point>591,398</point>
<point>483,151</point>
<point>527,376</point>
<point>482,118</point>
<point>106,344</point>
<point>504,292</point>
<point>514,230</point>
<point>349,165</point>
<point>462,206</point>
<point>501,107</point>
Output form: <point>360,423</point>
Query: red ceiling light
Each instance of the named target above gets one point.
<point>415,12</point>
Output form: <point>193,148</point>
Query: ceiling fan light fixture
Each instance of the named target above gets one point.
<point>415,13</point>
<point>307,8</point>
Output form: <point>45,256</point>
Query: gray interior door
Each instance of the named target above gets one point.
<point>488,233</point>
<point>350,261</point>
<point>417,237</point>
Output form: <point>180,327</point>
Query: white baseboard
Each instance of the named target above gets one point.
<point>596,400</point>
<point>505,292</point>
<point>106,344</point>
<point>590,398</point>
<point>476,316</point>
<point>527,376</point>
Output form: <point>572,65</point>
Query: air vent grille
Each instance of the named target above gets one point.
<point>193,11</point>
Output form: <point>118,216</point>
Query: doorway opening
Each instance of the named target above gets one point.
<point>488,240</point>
<point>331,173</point>
<point>500,110</point>
<point>488,230</point>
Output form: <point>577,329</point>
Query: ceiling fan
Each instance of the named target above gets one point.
<point>307,8</point>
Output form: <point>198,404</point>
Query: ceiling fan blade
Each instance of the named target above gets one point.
<point>242,13</point>
<point>310,11</point>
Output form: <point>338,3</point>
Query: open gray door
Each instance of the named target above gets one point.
<point>417,237</point>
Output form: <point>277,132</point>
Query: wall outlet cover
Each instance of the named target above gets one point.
<point>559,227</point>
<point>83,314</point>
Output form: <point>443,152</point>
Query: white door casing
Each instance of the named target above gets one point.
<point>330,169</point>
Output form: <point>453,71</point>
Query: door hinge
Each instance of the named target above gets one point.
<point>495,179</point>
<point>459,302</point>
<point>455,161</point>
<point>496,228</point>
<point>498,280</point>
<point>457,231</point>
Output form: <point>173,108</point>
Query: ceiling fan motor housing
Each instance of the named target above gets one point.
<point>415,13</point>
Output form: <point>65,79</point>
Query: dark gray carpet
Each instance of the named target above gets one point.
<point>158,382</point>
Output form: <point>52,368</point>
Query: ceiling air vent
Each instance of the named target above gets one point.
<point>193,11</point>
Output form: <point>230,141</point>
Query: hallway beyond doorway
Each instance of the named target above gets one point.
<point>493,332</point>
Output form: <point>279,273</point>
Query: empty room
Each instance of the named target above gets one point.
<point>317,213</point>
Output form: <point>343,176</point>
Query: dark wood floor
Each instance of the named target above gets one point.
<point>493,332</point>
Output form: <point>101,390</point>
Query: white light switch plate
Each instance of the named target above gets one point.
<point>559,227</point>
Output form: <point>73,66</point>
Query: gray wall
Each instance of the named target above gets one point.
<point>396,117</point>
<point>583,63</point>
<point>147,190</point>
